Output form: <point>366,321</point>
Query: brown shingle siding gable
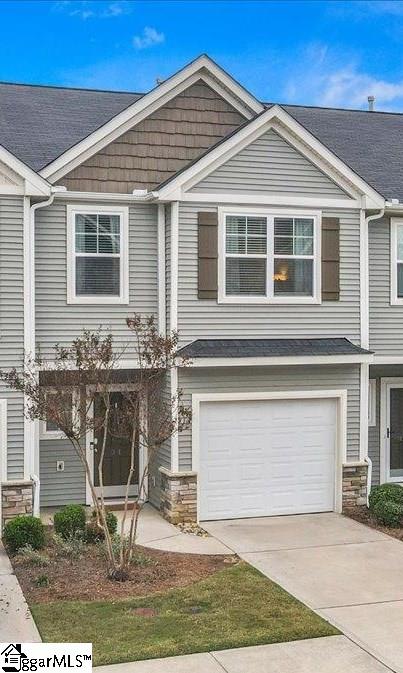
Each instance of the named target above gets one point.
<point>160,145</point>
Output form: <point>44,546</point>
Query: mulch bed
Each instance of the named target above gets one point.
<point>363,515</point>
<point>85,579</point>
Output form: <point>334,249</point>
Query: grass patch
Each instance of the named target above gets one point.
<point>235,607</point>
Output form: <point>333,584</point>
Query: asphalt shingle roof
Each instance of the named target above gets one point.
<point>249,348</point>
<point>39,123</point>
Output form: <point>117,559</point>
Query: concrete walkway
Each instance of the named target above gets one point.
<point>16,623</point>
<point>350,574</point>
<point>334,654</point>
<point>154,531</point>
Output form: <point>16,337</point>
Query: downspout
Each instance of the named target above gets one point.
<point>365,335</point>
<point>31,437</point>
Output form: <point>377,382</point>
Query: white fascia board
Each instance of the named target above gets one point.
<point>387,360</point>
<point>278,119</point>
<point>34,184</point>
<point>282,360</point>
<point>267,200</point>
<point>104,196</point>
<point>202,68</point>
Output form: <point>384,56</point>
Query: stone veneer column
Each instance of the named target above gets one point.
<point>354,484</point>
<point>178,495</point>
<point>16,498</point>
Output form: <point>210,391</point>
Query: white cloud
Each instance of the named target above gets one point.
<point>85,9</point>
<point>327,81</point>
<point>148,38</point>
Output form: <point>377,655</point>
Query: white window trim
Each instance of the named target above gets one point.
<point>372,403</point>
<point>269,213</point>
<point>58,434</point>
<point>395,222</point>
<point>123,212</point>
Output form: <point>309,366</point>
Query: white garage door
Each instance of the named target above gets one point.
<point>267,457</point>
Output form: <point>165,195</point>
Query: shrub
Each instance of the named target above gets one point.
<point>32,557</point>
<point>388,513</point>
<point>42,581</point>
<point>70,520</point>
<point>71,547</point>
<point>24,530</point>
<point>94,534</point>
<point>384,492</point>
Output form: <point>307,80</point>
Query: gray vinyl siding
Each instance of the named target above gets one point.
<point>374,438</point>
<point>12,323</point>
<point>270,165</point>
<point>60,488</point>
<point>265,379</point>
<point>205,318</point>
<point>385,320</point>
<point>59,322</point>
<point>162,457</point>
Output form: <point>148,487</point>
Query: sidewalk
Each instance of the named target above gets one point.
<point>16,623</point>
<point>333,654</point>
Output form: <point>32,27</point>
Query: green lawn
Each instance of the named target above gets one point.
<point>235,607</point>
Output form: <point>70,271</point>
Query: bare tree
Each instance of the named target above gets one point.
<point>83,374</point>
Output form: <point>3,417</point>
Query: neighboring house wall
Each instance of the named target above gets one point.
<point>270,165</point>
<point>12,323</point>
<point>59,322</point>
<point>385,320</point>
<point>205,318</point>
<point>160,145</point>
<point>264,379</point>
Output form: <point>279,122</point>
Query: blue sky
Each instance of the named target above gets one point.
<point>318,53</point>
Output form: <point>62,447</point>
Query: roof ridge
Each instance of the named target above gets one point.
<point>70,88</point>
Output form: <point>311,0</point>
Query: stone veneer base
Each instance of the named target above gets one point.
<point>354,487</point>
<point>178,496</point>
<point>16,498</point>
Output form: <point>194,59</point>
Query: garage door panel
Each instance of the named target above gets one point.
<point>266,457</point>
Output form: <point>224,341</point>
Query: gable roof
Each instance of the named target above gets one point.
<point>40,124</point>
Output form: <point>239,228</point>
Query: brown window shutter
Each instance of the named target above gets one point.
<point>207,255</point>
<point>330,259</point>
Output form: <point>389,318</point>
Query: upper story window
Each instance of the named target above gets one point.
<point>268,258</point>
<point>97,255</point>
<point>396,248</point>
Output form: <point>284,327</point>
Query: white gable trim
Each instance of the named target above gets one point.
<point>294,133</point>
<point>203,68</point>
<point>33,184</point>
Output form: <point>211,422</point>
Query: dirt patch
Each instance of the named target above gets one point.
<point>85,578</point>
<point>363,515</point>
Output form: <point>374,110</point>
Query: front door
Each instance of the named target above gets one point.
<point>116,462</point>
<point>394,434</point>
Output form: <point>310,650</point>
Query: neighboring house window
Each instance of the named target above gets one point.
<point>396,248</point>
<point>98,255</point>
<point>372,403</point>
<point>269,258</point>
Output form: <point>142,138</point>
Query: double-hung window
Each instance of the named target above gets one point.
<point>98,255</point>
<point>269,258</point>
<point>396,248</point>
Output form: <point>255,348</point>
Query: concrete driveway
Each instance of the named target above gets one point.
<point>350,574</point>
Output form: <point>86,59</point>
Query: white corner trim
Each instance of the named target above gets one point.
<point>364,281</point>
<point>276,118</point>
<point>3,443</point>
<point>202,68</point>
<point>277,361</point>
<point>341,446</point>
<point>161,270</point>
<point>105,300</point>
<point>174,262</point>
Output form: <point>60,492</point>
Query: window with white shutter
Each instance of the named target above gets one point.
<point>98,259</point>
